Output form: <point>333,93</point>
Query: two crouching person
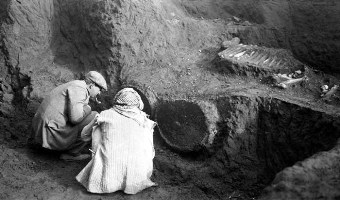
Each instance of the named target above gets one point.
<point>122,136</point>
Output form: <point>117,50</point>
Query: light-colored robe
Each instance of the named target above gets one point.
<point>123,158</point>
<point>55,122</point>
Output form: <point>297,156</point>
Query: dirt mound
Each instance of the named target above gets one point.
<point>316,177</point>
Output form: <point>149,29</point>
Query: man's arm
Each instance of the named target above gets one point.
<point>78,107</point>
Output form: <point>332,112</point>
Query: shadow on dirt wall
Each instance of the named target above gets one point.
<point>81,42</point>
<point>77,43</point>
<point>257,138</point>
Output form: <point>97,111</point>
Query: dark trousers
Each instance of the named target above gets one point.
<point>77,146</point>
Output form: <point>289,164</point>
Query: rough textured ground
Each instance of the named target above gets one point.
<point>246,135</point>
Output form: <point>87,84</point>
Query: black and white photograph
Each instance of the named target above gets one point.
<point>169,100</point>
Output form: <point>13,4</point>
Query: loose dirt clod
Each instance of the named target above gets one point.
<point>330,93</point>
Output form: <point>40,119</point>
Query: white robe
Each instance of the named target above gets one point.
<point>123,158</point>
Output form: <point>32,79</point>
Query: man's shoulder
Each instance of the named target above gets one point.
<point>78,83</point>
<point>75,84</point>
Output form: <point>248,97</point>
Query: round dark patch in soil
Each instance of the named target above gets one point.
<point>182,125</point>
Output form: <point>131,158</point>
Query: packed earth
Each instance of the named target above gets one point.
<point>245,93</point>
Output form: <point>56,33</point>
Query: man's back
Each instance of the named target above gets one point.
<point>55,105</point>
<point>51,125</point>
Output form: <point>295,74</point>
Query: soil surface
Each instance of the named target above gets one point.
<point>208,72</point>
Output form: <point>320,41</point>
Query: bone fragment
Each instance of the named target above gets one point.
<point>329,94</point>
<point>284,84</point>
<point>284,76</point>
<point>239,54</point>
<point>324,89</point>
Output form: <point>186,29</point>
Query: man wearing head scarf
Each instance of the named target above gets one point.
<point>63,114</point>
<point>123,152</point>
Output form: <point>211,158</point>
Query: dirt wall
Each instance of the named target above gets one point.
<point>55,41</point>
<point>258,137</point>
<point>310,29</point>
<point>308,179</point>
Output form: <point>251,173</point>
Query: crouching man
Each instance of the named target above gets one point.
<point>64,113</point>
<point>123,150</point>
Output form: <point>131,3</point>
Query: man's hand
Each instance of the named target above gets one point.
<point>87,109</point>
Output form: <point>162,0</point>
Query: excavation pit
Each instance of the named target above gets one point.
<point>256,137</point>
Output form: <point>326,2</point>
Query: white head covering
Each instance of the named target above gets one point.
<point>127,102</point>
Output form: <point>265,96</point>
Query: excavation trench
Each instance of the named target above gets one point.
<point>249,139</point>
